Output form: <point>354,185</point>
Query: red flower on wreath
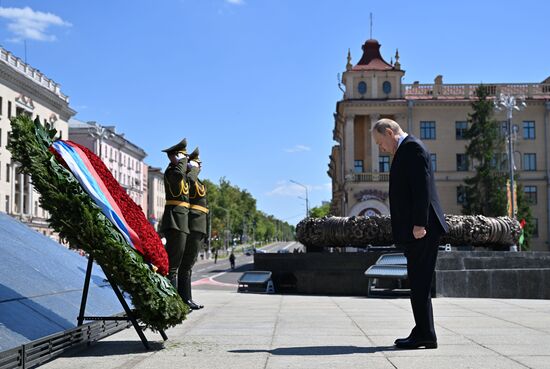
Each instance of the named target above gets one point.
<point>153,249</point>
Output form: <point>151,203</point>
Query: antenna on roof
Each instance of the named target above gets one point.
<point>371,25</point>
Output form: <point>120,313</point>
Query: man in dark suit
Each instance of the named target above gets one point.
<point>417,222</point>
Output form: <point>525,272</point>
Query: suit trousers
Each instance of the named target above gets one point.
<point>421,258</point>
<point>175,248</point>
<point>194,241</point>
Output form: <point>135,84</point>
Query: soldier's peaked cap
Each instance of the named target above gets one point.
<point>181,146</point>
<point>195,155</point>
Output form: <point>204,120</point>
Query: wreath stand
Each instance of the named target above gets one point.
<point>129,314</point>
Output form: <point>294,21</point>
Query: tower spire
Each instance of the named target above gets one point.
<point>371,25</point>
<point>348,65</point>
<point>397,65</point>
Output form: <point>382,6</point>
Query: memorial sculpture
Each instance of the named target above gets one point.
<point>357,231</point>
<point>90,210</point>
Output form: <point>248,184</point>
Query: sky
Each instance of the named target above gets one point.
<point>253,83</point>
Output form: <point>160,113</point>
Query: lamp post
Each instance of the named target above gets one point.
<point>307,198</point>
<point>510,103</point>
<point>100,132</point>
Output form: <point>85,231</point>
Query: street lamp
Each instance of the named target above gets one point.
<point>100,132</point>
<point>510,103</point>
<point>307,198</point>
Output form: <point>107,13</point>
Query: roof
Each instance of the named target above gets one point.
<point>371,59</point>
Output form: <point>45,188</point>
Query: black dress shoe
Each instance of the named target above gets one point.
<point>413,343</point>
<point>193,305</point>
<point>401,340</point>
<point>411,335</point>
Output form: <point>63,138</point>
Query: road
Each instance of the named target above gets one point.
<point>210,275</point>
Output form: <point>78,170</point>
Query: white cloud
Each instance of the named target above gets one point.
<point>235,2</point>
<point>27,24</point>
<point>298,148</point>
<point>287,188</point>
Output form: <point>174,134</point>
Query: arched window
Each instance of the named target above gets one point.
<point>362,88</point>
<point>386,87</point>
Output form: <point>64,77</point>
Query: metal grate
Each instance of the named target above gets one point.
<point>39,351</point>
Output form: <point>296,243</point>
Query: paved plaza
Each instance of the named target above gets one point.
<point>288,331</point>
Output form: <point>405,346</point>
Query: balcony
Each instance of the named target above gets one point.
<point>467,91</point>
<point>370,177</point>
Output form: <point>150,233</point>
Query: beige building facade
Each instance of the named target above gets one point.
<point>123,158</point>
<point>25,90</point>
<point>155,195</point>
<point>437,113</point>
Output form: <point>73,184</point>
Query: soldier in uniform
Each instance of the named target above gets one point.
<point>198,225</point>
<point>175,224</point>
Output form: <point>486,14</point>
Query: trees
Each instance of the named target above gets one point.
<point>485,192</point>
<point>233,214</point>
<point>320,211</point>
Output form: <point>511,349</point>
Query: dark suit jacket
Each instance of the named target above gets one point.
<point>413,195</point>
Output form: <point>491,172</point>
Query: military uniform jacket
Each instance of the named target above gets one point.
<point>176,188</point>
<point>198,214</point>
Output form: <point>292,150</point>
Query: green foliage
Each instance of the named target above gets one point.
<point>234,210</point>
<point>79,221</point>
<point>524,212</point>
<point>486,190</point>
<point>320,211</point>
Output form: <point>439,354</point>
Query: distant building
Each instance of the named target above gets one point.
<point>437,113</point>
<point>156,198</point>
<point>123,158</point>
<point>24,90</point>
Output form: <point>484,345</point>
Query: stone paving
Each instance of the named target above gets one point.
<point>290,331</point>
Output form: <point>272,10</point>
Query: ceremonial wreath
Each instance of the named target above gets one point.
<point>90,210</point>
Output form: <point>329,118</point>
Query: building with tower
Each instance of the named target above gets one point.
<point>437,113</point>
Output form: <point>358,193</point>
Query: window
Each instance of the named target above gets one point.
<point>1,105</point>
<point>536,227</point>
<point>461,129</point>
<point>530,161</point>
<point>358,166</point>
<point>500,161</point>
<point>7,172</point>
<point>530,194</point>
<point>503,129</point>
<point>9,109</point>
<point>0,137</point>
<point>362,88</point>
<point>528,130</point>
<point>462,164</point>
<point>7,203</point>
<point>20,111</point>
<point>384,163</point>
<point>386,87</point>
<point>427,130</point>
<point>461,195</point>
<point>433,160</point>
